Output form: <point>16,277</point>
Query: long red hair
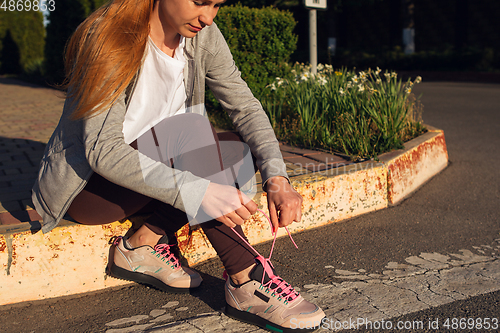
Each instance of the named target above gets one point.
<point>104,54</point>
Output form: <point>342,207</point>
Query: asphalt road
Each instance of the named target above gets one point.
<point>458,209</point>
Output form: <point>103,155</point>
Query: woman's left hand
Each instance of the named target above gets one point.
<point>285,204</point>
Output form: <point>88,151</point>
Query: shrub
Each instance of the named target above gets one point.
<point>261,41</point>
<point>21,40</point>
<point>62,23</point>
<point>360,115</point>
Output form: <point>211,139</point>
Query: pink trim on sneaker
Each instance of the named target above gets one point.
<point>287,291</point>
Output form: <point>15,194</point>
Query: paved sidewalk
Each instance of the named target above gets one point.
<point>29,114</point>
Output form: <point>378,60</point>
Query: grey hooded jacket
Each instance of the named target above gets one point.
<point>79,148</point>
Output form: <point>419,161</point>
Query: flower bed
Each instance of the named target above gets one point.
<point>359,114</point>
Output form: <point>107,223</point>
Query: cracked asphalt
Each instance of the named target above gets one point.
<point>430,259</point>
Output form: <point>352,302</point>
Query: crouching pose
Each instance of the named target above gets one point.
<point>134,137</point>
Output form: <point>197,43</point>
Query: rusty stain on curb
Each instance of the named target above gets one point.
<point>422,159</point>
<point>71,259</point>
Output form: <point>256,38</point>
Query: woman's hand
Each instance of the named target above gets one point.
<point>285,204</point>
<point>227,204</point>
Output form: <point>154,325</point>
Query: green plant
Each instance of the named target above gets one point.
<point>62,23</point>
<point>360,115</point>
<point>261,42</point>
<point>22,38</point>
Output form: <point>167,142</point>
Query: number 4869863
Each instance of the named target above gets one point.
<point>27,5</point>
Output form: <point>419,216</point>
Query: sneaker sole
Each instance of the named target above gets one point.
<point>123,274</point>
<point>254,319</point>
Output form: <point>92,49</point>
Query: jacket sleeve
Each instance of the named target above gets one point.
<point>109,155</point>
<point>246,112</point>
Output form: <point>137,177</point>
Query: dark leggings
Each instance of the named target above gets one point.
<point>185,142</point>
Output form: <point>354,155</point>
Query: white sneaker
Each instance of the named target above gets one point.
<point>271,303</point>
<point>157,267</point>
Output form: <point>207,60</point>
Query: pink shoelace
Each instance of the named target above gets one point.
<point>275,283</point>
<point>163,251</point>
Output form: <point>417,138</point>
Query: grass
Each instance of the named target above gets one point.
<point>359,114</point>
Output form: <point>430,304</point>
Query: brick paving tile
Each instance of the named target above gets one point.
<point>296,150</point>
<point>327,158</point>
<point>27,204</point>
<point>20,188</point>
<point>16,217</point>
<point>291,166</point>
<point>24,106</point>
<point>19,157</point>
<point>301,161</point>
<point>7,218</point>
<point>33,215</point>
<point>24,182</point>
<point>18,195</point>
<point>32,169</point>
<point>288,154</point>
<point>15,164</point>
<point>20,176</point>
<point>319,167</point>
<point>9,206</point>
<point>9,172</point>
<point>6,190</point>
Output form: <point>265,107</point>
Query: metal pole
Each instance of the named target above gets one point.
<point>313,47</point>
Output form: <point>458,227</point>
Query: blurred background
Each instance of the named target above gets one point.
<point>405,35</point>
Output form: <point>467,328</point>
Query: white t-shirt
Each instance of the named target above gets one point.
<point>159,92</point>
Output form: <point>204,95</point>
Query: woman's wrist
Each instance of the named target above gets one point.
<point>276,180</point>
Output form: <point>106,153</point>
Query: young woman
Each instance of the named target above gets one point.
<point>133,136</point>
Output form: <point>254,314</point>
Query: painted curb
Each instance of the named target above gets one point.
<point>72,258</point>
<point>409,169</point>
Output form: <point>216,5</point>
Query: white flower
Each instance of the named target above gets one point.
<point>378,70</point>
<point>394,74</point>
<point>341,92</point>
<point>379,81</point>
<point>320,67</point>
<point>304,76</point>
<point>418,79</point>
<point>361,87</point>
<point>322,80</point>
<point>273,86</point>
<point>408,90</point>
<point>387,76</point>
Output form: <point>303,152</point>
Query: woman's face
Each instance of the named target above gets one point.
<point>187,17</point>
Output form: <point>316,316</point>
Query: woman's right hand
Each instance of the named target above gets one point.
<point>227,204</point>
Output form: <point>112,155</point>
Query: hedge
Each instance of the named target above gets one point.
<point>63,22</point>
<point>261,41</point>
<point>21,41</point>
